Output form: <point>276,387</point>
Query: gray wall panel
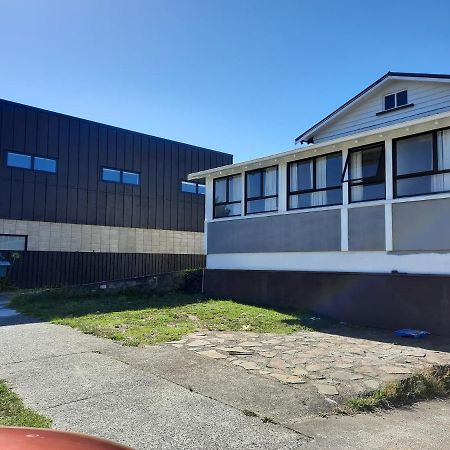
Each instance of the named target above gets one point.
<point>302,232</point>
<point>366,229</point>
<point>421,226</point>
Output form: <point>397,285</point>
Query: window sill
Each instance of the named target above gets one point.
<point>398,108</point>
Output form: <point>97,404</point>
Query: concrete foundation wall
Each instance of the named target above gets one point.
<point>380,300</point>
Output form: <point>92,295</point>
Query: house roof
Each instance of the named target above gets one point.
<point>307,136</point>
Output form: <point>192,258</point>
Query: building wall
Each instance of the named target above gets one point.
<point>71,215</point>
<point>427,97</point>
<point>390,301</point>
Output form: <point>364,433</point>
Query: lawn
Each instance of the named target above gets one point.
<point>138,319</point>
<point>14,413</point>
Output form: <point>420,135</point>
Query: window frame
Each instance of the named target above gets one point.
<point>197,185</point>
<point>308,191</point>
<point>121,171</point>
<point>396,105</point>
<point>32,162</point>
<point>434,171</point>
<point>262,197</point>
<point>47,159</point>
<point>227,202</point>
<point>16,236</point>
<point>376,179</point>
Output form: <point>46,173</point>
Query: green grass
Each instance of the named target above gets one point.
<point>134,318</point>
<point>425,385</point>
<point>14,413</point>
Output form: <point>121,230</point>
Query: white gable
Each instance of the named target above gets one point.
<point>428,97</point>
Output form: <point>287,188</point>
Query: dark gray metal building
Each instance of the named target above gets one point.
<point>84,202</point>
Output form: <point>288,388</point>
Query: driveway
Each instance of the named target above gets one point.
<point>175,396</point>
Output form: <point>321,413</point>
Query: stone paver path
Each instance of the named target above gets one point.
<point>335,364</point>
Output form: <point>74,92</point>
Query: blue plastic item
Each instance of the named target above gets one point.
<point>408,332</point>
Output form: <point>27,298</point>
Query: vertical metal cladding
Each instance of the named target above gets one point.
<point>76,194</point>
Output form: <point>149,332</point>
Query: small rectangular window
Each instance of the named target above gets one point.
<point>366,173</point>
<point>395,100</point>
<point>44,164</point>
<point>201,189</point>
<point>111,175</point>
<point>187,186</point>
<point>12,242</point>
<point>227,196</point>
<point>422,164</point>
<point>130,178</point>
<point>18,160</point>
<point>262,190</point>
<point>315,182</point>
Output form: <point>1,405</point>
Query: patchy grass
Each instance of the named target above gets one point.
<point>135,318</point>
<point>14,413</point>
<point>425,385</point>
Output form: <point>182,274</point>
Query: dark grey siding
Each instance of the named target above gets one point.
<point>47,269</point>
<point>366,228</point>
<point>421,226</point>
<point>76,195</point>
<point>299,232</point>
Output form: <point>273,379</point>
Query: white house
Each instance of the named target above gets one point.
<point>355,224</point>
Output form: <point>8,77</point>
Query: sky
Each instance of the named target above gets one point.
<point>240,76</point>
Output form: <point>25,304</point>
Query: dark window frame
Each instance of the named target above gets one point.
<point>396,105</point>
<point>196,188</point>
<point>121,171</point>
<point>365,181</point>
<point>16,235</point>
<point>434,171</point>
<point>32,165</point>
<point>308,191</point>
<point>261,197</point>
<point>227,202</point>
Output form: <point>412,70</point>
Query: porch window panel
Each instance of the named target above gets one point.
<point>262,190</point>
<point>227,196</point>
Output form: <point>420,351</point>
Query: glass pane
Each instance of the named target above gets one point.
<point>188,187</point>
<point>130,178</point>
<point>443,147</point>
<point>402,98</point>
<point>301,176</point>
<point>44,164</point>
<point>220,190</point>
<point>414,154</point>
<point>270,184</point>
<point>234,189</point>
<point>263,205</point>
<point>12,243</point>
<point>365,163</point>
<point>254,184</point>
<point>389,101</point>
<point>18,160</point>
<point>334,170</point>
<point>201,189</point>
<point>361,193</point>
<point>320,198</point>
<point>414,186</point>
<point>111,175</point>
<point>232,209</point>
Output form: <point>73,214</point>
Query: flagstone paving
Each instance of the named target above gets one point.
<point>343,363</point>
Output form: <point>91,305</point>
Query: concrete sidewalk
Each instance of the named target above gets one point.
<point>168,398</point>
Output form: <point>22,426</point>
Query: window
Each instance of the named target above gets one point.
<point>315,182</point>
<point>227,196</point>
<point>193,188</point>
<point>120,176</point>
<point>130,178</point>
<point>111,175</point>
<point>44,164</point>
<point>23,161</point>
<point>395,100</point>
<point>366,173</point>
<point>262,190</point>
<point>18,160</point>
<point>12,242</point>
<point>422,164</point>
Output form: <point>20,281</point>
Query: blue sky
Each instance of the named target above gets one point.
<point>241,76</point>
